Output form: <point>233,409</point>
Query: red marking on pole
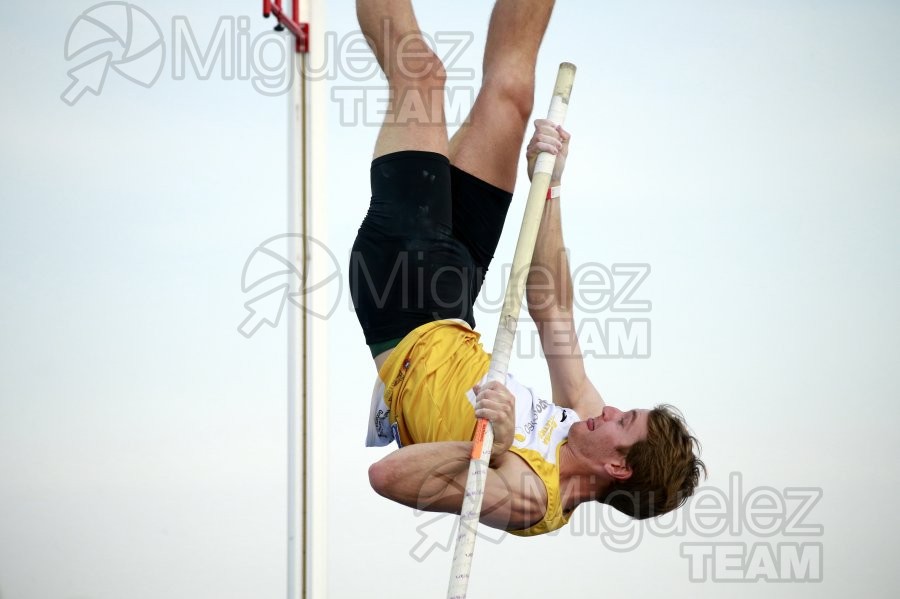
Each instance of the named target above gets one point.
<point>478,439</point>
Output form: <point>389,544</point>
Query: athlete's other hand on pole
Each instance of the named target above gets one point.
<point>496,403</point>
<point>548,138</point>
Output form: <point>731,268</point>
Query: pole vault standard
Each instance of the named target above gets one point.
<point>503,343</point>
<point>307,354</point>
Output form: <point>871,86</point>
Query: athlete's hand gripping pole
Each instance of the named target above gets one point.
<point>503,343</point>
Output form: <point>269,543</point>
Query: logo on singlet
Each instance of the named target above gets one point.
<point>536,409</point>
<point>546,431</point>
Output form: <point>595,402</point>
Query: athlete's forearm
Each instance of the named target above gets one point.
<point>549,285</point>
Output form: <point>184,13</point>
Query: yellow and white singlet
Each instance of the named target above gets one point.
<point>424,394</point>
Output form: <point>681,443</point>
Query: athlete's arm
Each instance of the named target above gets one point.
<point>432,476</point>
<point>549,289</point>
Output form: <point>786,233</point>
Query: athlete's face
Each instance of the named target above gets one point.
<point>605,439</point>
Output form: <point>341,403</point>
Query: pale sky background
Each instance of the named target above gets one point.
<point>748,151</point>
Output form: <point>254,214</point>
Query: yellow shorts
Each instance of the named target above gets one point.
<point>426,380</point>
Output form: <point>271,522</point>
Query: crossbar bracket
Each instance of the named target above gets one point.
<point>291,23</point>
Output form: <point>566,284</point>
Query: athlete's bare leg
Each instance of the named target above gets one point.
<point>415,112</point>
<point>489,143</point>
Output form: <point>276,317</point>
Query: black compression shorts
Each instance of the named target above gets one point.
<point>424,246</point>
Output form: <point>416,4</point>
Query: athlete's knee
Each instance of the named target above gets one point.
<point>514,88</point>
<point>390,29</point>
<point>416,65</point>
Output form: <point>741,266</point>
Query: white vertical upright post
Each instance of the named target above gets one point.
<point>296,357</point>
<point>307,349</point>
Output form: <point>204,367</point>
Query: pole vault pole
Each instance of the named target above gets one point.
<point>503,343</point>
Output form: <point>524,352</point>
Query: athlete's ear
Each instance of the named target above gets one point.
<point>617,469</point>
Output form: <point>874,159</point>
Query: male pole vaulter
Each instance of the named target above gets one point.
<point>417,265</point>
